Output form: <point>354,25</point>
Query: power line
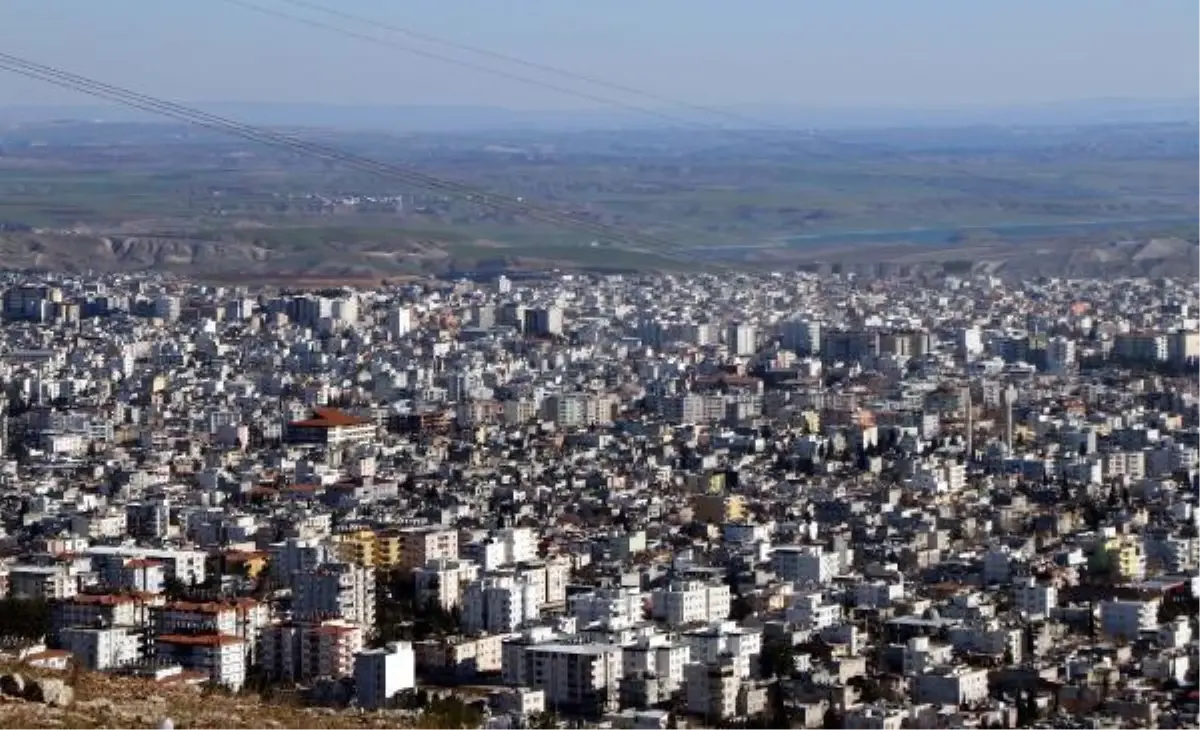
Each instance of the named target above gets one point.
<point>666,116</point>
<point>495,201</point>
<point>534,65</point>
<point>755,131</point>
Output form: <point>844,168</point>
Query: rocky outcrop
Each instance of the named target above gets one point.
<point>47,690</point>
<point>12,685</point>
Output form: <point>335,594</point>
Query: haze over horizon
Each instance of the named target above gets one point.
<point>772,54</point>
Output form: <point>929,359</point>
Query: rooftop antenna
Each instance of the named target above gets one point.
<point>970,425</point>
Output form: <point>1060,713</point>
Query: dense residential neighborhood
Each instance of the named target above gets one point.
<point>781,500</point>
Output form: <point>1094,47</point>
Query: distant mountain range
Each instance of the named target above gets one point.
<point>478,118</point>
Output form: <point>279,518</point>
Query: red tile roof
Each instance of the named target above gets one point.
<point>104,599</point>
<point>141,563</point>
<point>330,418</point>
<point>200,639</point>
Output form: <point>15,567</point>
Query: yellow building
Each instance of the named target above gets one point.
<point>1121,555</point>
<point>1130,560</point>
<point>810,420</point>
<point>718,508</point>
<point>358,547</point>
<point>249,563</point>
<point>388,548</point>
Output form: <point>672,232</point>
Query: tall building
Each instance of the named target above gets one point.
<point>381,674</point>
<point>741,339</point>
<point>300,651</point>
<point>335,590</point>
<point>581,677</point>
<point>1008,397</point>
<point>399,321</point>
<point>308,311</point>
<point>221,657</point>
<point>970,343</point>
<point>1183,347</point>
<point>544,321</point>
<point>500,604</point>
<point>167,307</point>
<point>1060,355</point>
<point>802,336</point>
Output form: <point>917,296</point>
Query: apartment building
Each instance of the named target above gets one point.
<point>442,581</point>
<point>222,658</point>
<point>499,604</point>
<point>381,674</point>
<point>418,545</point>
<point>582,677</point>
<point>301,651</point>
<point>90,609</point>
<point>335,590</point>
<point>101,649</point>
<point>690,602</point>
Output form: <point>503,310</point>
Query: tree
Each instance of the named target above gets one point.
<point>24,618</point>
<point>831,720</point>
<point>741,608</point>
<point>778,659</point>
<point>543,721</point>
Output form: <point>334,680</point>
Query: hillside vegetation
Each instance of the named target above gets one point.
<point>106,701</point>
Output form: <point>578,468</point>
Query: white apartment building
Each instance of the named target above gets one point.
<point>193,618</point>
<point>921,655</point>
<point>583,677</point>
<point>878,593</point>
<point>243,618</point>
<point>381,674</point>
<point>744,645</point>
<point>442,581</point>
<point>1033,599</point>
<point>100,649</point>
<point>612,607</point>
<point>499,604</point>
<point>43,583</point>
<point>741,339</point>
<point>689,602</point>
<point>989,638</point>
<point>506,547</point>
<point>809,612</point>
<point>944,478</point>
<point>1127,619</point>
<point>222,658</point>
<point>558,573</point>
<point>99,610</point>
<point>804,564</point>
<point>712,689</point>
<point>659,656</point>
<point>958,686</point>
<point>185,566</point>
<point>870,717</point>
<point>1131,464</point>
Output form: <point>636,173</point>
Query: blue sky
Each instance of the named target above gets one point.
<point>820,53</point>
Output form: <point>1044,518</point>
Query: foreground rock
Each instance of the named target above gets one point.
<point>12,685</point>
<point>50,691</point>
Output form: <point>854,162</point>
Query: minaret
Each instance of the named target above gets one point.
<point>970,422</point>
<point>1008,396</point>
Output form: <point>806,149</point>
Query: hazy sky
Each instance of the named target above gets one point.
<point>897,53</point>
